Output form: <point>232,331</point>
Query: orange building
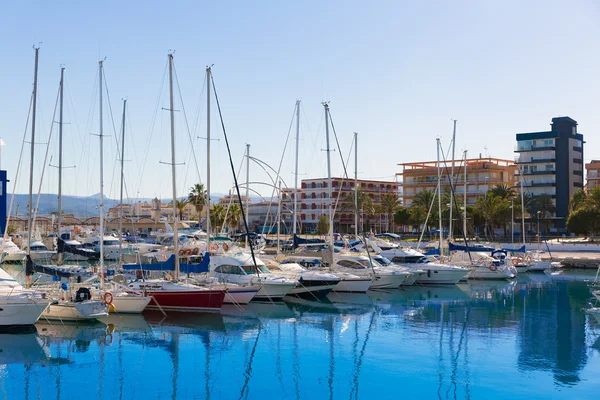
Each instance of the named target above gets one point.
<point>482,175</point>
<point>592,174</point>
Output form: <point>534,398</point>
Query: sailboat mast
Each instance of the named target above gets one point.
<point>450,231</point>
<point>295,216</point>
<point>465,198</point>
<point>29,215</point>
<point>122,180</point>
<point>101,269</point>
<point>60,159</point>
<point>329,199</point>
<point>522,207</point>
<point>247,185</point>
<point>278,217</point>
<point>175,221</point>
<point>208,78</point>
<point>355,184</point>
<point>439,195</point>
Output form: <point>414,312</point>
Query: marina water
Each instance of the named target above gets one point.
<point>520,340</point>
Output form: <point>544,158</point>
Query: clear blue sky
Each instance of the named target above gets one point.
<point>397,72</point>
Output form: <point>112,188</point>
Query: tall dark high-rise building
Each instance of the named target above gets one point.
<point>551,163</point>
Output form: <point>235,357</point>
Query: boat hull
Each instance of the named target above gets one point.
<point>83,311</point>
<point>487,274</point>
<point>273,292</point>
<point>311,288</point>
<point>359,285</point>
<point>387,281</point>
<point>20,314</point>
<point>441,277</point>
<point>130,304</point>
<point>410,280</point>
<point>539,266</point>
<point>186,300</point>
<point>240,295</point>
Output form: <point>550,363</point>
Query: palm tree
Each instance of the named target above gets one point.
<point>217,216</point>
<point>197,197</point>
<point>234,216</point>
<point>364,202</point>
<point>503,191</point>
<point>424,198</point>
<point>389,204</point>
<point>180,206</point>
<point>493,209</point>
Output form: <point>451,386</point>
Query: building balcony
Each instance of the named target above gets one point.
<point>540,184</point>
<point>534,161</point>
<point>542,172</point>
<point>534,148</point>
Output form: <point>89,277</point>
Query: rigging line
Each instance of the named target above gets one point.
<point>200,103</point>
<point>361,357</point>
<point>280,164</point>
<point>37,204</point>
<point>12,198</point>
<point>72,110</point>
<point>186,123</point>
<point>115,136</point>
<point>237,188</point>
<point>88,128</point>
<point>343,164</point>
<point>156,107</point>
<point>345,178</point>
<point>455,204</point>
<point>231,197</point>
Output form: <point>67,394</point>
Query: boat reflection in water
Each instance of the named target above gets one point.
<point>434,342</point>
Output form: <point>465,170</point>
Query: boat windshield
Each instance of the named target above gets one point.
<point>368,264</point>
<point>383,261</point>
<point>251,269</point>
<point>422,260</point>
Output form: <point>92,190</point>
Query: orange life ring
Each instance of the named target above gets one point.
<point>493,268</point>
<point>515,261</point>
<point>225,247</point>
<point>196,251</point>
<point>108,298</point>
<point>187,252</point>
<point>181,252</point>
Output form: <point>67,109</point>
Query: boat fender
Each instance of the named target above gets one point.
<point>108,298</point>
<point>429,273</point>
<point>225,247</point>
<point>529,260</point>
<point>493,268</point>
<point>112,308</point>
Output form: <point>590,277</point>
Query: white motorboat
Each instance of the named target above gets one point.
<point>239,268</point>
<point>349,283</point>
<point>40,253</point>
<point>383,277</point>
<point>483,266</point>
<point>414,273</point>
<point>19,307</point>
<point>111,246</point>
<point>309,282</point>
<point>10,252</point>
<point>234,294</point>
<point>435,273</point>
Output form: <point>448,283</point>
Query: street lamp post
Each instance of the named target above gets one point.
<point>512,221</point>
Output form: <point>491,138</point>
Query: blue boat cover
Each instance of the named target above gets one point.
<point>433,252</point>
<point>169,265</point>
<point>519,250</point>
<point>455,247</point>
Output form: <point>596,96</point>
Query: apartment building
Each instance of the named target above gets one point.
<point>313,202</point>
<point>592,174</point>
<point>551,162</point>
<point>482,175</point>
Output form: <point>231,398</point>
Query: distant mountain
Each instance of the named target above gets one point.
<point>77,205</point>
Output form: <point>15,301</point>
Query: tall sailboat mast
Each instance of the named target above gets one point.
<point>329,199</point>
<point>522,206</point>
<point>450,231</point>
<point>355,184</point>
<point>295,216</point>
<point>60,161</point>
<point>247,185</point>
<point>465,198</point>
<point>208,79</point>
<point>175,220</point>
<point>440,195</point>
<point>30,208</point>
<point>122,180</point>
<point>101,136</point>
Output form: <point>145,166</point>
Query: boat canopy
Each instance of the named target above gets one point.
<point>519,250</point>
<point>477,247</point>
<point>169,265</point>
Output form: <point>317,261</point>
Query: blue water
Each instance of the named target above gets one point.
<point>525,340</point>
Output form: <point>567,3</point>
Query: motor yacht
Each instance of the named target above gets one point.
<point>414,273</point>
<point>383,277</point>
<point>39,252</point>
<point>239,268</point>
<point>112,246</point>
<point>10,252</point>
<point>435,272</point>
<point>19,307</point>
<point>309,283</point>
